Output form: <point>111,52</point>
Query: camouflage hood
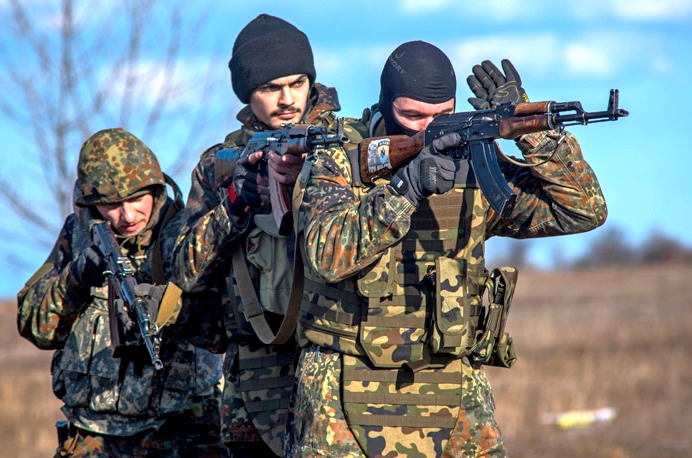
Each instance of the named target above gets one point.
<point>114,165</point>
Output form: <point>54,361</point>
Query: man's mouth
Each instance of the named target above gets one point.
<point>287,115</point>
<point>130,228</point>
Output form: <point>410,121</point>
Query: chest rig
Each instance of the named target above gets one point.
<point>421,302</point>
<point>413,324</point>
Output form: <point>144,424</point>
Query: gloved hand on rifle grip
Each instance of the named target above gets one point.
<point>493,88</point>
<point>431,172</point>
<point>88,269</point>
<point>249,187</point>
<point>153,295</point>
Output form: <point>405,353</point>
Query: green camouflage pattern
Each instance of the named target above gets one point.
<point>348,230</point>
<point>100,393</point>
<point>203,260</point>
<point>113,165</point>
<point>321,427</point>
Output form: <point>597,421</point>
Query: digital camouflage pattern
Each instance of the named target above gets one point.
<point>102,394</point>
<point>363,244</point>
<point>255,401</point>
<point>198,441</point>
<point>113,165</point>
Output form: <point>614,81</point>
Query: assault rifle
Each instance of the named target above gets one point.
<point>121,286</point>
<point>290,139</point>
<point>478,129</point>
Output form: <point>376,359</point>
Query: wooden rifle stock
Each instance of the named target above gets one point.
<point>380,156</point>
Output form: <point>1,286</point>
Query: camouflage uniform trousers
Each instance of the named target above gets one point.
<point>318,426</point>
<point>238,431</point>
<point>194,433</point>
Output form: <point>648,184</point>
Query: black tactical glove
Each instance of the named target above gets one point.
<point>87,270</point>
<point>492,88</point>
<point>431,172</point>
<point>152,295</point>
<point>248,189</point>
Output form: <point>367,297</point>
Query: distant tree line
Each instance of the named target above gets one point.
<point>609,248</point>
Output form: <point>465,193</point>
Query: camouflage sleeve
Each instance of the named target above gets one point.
<point>347,229</point>
<point>50,301</point>
<point>203,245</point>
<point>560,195</point>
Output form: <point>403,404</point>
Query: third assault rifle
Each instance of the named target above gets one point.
<point>292,139</point>
<point>122,284</point>
<point>478,129</point>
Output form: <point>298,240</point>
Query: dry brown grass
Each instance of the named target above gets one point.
<point>589,339</point>
<point>586,339</point>
<point>28,409</point>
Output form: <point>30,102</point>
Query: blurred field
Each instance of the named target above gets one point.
<point>607,337</point>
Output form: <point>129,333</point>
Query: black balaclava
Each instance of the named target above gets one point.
<point>268,48</point>
<point>417,70</point>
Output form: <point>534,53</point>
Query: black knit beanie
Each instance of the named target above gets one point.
<point>268,48</point>
<point>417,70</point>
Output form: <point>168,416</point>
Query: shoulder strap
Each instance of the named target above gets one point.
<point>253,311</point>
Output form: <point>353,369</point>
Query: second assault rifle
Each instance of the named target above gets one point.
<point>130,320</point>
<point>479,129</point>
<point>290,139</point>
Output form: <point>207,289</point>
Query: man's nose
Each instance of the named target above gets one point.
<point>127,212</point>
<point>286,97</point>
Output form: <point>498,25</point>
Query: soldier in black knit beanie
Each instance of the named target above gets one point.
<point>226,240</point>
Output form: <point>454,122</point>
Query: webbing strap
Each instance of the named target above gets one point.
<point>395,321</point>
<point>271,360</point>
<point>334,316</point>
<point>331,292</point>
<point>402,399</point>
<point>396,420</point>
<point>266,383</point>
<point>266,405</point>
<point>401,376</point>
<point>254,313</point>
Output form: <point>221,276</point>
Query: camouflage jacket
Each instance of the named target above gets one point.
<point>209,234</point>
<point>258,377</point>
<point>107,395</point>
<point>348,228</point>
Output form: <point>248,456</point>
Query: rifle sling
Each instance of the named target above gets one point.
<point>252,309</point>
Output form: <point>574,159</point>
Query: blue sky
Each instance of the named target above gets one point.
<point>563,51</point>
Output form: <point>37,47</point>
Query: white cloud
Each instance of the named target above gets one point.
<point>583,10</point>
<point>537,54</point>
<point>586,60</point>
<point>497,10</point>
<point>597,54</point>
<point>652,9</point>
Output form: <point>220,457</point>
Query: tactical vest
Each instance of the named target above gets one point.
<point>117,396</point>
<point>421,298</point>
<point>414,321</point>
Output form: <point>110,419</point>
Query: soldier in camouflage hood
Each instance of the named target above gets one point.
<point>229,241</point>
<point>120,406</point>
<point>392,320</point>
